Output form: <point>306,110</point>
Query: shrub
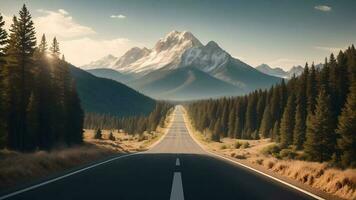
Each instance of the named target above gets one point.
<point>272,149</point>
<point>287,153</point>
<point>259,161</point>
<point>142,137</point>
<point>98,135</point>
<point>245,145</point>
<point>237,145</point>
<point>238,156</point>
<point>112,137</point>
<point>223,146</point>
<point>215,137</point>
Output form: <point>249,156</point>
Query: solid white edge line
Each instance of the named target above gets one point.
<point>177,187</point>
<point>250,168</point>
<point>64,176</point>
<point>80,170</point>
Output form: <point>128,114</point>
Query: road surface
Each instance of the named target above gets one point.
<point>176,168</point>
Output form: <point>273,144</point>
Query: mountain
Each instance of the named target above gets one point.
<point>166,53</point>
<point>100,95</point>
<point>110,74</point>
<point>178,50</point>
<point>188,83</point>
<point>105,62</point>
<point>130,57</point>
<point>278,72</point>
<point>295,70</point>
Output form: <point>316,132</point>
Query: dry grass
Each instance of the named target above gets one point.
<point>341,183</point>
<point>20,167</point>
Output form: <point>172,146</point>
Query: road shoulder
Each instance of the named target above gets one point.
<point>316,193</point>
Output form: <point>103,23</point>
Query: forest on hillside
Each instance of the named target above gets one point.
<point>39,105</point>
<point>314,112</point>
<point>132,124</point>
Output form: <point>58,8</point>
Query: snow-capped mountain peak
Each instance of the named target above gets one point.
<point>176,49</point>
<point>166,53</point>
<point>131,56</point>
<point>207,58</point>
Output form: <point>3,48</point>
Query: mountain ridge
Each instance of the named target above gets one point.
<point>183,50</point>
<point>279,72</point>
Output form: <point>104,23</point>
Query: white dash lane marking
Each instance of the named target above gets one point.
<point>177,187</point>
<point>177,162</point>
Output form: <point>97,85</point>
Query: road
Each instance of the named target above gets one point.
<point>176,168</point>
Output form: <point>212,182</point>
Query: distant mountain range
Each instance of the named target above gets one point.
<point>180,67</point>
<point>278,72</point>
<point>101,95</point>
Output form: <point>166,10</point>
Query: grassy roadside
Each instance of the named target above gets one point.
<point>341,183</point>
<point>19,168</point>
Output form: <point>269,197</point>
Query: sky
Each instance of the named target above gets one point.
<point>280,33</point>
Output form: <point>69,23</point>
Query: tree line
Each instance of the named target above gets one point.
<point>314,112</point>
<point>39,105</point>
<point>131,124</point>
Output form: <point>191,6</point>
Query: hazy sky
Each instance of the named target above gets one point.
<point>280,33</point>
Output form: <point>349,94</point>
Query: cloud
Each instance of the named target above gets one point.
<point>74,38</point>
<point>323,8</point>
<point>329,49</point>
<point>7,20</point>
<point>63,12</point>
<point>59,23</point>
<point>84,50</point>
<point>118,16</point>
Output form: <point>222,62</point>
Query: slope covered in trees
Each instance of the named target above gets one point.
<point>39,105</point>
<point>105,96</point>
<point>314,112</point>
<point>132,124</point>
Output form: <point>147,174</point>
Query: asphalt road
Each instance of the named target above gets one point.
<point>176,168</point>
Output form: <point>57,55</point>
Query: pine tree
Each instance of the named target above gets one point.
<point>3,42</point>
<point>45,91</point>
<point>275,104</point>
<point>301,110</point>
<point>43,47</point>
<point>287,122</point>
<point>217,131</point>
<point>231,123</point>
<point>342,82</point>
<point>346,130</point>
<point>21,47</point>
<point>251,117</point>
<point>32,124</point>
<point>320,143</point>
<point>266,124</point>
<point>54,49</point>
<point>300,127</point>
<point>74,117</point>
<point>276,132</point>
<point>311,90</point>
